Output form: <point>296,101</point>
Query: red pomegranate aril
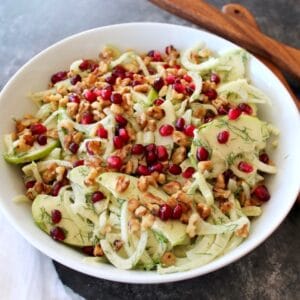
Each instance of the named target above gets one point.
<point>189,90</point>
<point>180,123</point>
<point>151,157</point>
<point>116,98</point>
<point>264,157</point>
<point>143,170</point>
<point>111,79</point>
<point>137,149</point>
<point>162,153</point>
<point>165,212</point>
<point>223,137</point>
<point>170,79</point>
<point>150,147</point>
<point>105,94</point>
<point>102,133</point>
<point>88,250</point>
<point>129,75</point>
<point>90,96</point>
<point>187,78</point>
<point>55,216</point>
<point>166,130</point>
<point>59,76</point>
<point>223,110</point>
<point>211,94</point>
<point>158,102</point>
<point>118,142</point>
<point>189,130</point>
<point>158,84</point>
<point>202,154</point>
<point>56,188</point>
<point>38,128</point>
<point>227,175</point>
<point>155,55</point>
<point>157,167</point>
<point>75,79</point>
<point>245,167</point>
<point>135,82</point>
<point>87,118</point>
<point>169,49</point>
<point>121,120</point>
<point>84,65</point>
<point>188,172</point>
<point>209,116</point>
<point>42,139</point>
<point>114,162</point>
<point>244,107</point>
<point>78,163</point>
<point>73,147</point>
<point>262,193</point>
<point>97,196</point>
<point>123,134</point>
<point>215,78</point>
<point>175,169</point>
<point>234,113</point>
<point>57,234</point>
<point>74,98</point>
<point>179,88</point>
<point>30,184</point>
<point>177,212</point>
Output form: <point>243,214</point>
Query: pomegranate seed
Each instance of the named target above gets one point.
<point>105,94</point>
<point>245,167</point>
<point>211,94</point>
<point>188,172</point>
<point>227,175</point>
<point>111,79</point>
<point>157,167</point>
<point>150,147</point>
<point>114,162</point>
<point>155,55</point>
<point>90,96</point>
<point>166,130</point>
<point>78,163</point>
<point>118,142</point>
<point>202,154</point>
<point>123,134</point>
<point>55,216</point>
<point>102,133</point>
<point>151,70</point>
<point>116,98</point>
<point>158,84</point>
<point>223,110</point>
<point>56,188</point>
<point>262,193</point>
<point>129,75</point>
<point>119,71</point>
<point>179,125</point>
<point>209,116</point>
<point>42,139</point>
<point>215,78</point>
<point>189,130</point>
<point>84,65</point>
<point>244,107</point>
<point>74,98</point>
<point>223,137</point>
<point>264,157</point>
<point>162,153</point>
<point>151,157</point>
<point>75,79</point>
<point>30,184</point>
<point>165,212</point>
<point>87,118</point>
<point>170,79</point>
<point>73,147</point>
<point>177,212</point>
<point>169,49</point>
<point>142,170</point>
<point>57,234</point>
<point>38,128</point>
<point>137,149</point>
<point>234,113</point>
<point>97,196</point>
<point>158,101</point>
<point>135,82</point>
<point>187,78</point>
<point>88,250</point>
<point>93,66</point>
<point>189,90</point>
<point>121,120</point>
<point>175,169</point>
<point>179,88</point>
<point>59,76</point>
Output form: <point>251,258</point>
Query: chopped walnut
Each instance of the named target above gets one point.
<point>183,197</point>
<point>161,179</point>
<point>179,155</point>
<point>60,173</point>
<point>77,137</point>
<point>140,211</point>
<point>133,204</point>
<point>172,187</point>
<point>204,210</point>
<point>153,208</point>
<point>141,88</point>
<point>118,244</point>
<point>156,112</point>
<point>142,120</point>
<point>147,221</point>
<point>91,178</point>
<point>98,250</point>
<point>180,139</point>
<point>192,225</point>
<point>225,207</point>
<point>122,184</point>
<point>116,109</point>
<point>95,147</point>
<point>243,231</point>
<point>50,173</point>
<point>151,198</point>
<point>205,165</point>
<point>151,126</point>
<point>134,225</point>
<point>168,259</point>
<point>220,101</point>
<point>220,183</point>
<point>221,193</point>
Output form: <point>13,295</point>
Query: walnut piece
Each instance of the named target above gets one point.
<point>122,184</point>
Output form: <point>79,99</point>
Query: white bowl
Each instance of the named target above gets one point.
<point>35,75</point>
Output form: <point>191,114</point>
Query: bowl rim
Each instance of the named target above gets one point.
<point>85,268</point>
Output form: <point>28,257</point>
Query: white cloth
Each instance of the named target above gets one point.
<point>26,273</point>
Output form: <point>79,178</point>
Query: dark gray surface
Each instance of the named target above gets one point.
<point>269,272</point>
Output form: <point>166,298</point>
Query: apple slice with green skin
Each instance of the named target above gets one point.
<point>36,152</point>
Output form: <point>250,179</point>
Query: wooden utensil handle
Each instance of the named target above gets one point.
<point>249,37</point>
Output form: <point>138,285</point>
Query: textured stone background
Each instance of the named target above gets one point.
<point>269,272</point>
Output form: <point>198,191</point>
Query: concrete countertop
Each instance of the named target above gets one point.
<point>269,272</point>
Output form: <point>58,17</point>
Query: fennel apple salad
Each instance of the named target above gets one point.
<point>147,161</point>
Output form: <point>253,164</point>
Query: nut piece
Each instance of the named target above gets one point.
<point>180,138</point>
<point>147,221</point>
<point>204,210</point>
<point>90,179</point>
<point>205,165</point>
<point>220,183</point>
<point>118,245</point>
<point>168,259</point>
<point>60,171</point>
<point>171,187</point>
<point>142,88</point>
<point>156,112</point>
<point>220,193</point>
<point>192,225</point>
<point>134,225</point>
<point>140,211</point>
<point>133,204</point>
<point>179,155</point>
<point>98,250</point>
<point>142,184</point>
<point>243,231</point>
<point>122,184</point>
<point>225,207</point>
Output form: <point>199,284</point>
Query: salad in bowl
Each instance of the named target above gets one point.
<point>152,161</point>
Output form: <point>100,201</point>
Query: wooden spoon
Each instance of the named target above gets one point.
<point>236,30</point>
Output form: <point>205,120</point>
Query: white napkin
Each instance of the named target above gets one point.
<point>25,273</point>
